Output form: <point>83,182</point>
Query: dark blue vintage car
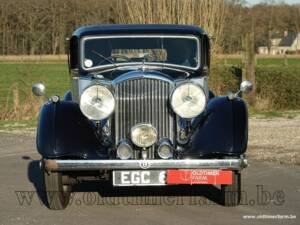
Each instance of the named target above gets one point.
<point>140,113</point>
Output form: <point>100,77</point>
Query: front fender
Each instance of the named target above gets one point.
<point>64,132</point>
<point>224,130</point>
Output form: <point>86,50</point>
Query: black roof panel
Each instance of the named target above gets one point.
<point>138,29</point>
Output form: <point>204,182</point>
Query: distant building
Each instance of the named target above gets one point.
<point>290,42</point>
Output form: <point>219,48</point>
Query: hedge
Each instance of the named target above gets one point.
<point>276,87</point>
<point>223,79</point>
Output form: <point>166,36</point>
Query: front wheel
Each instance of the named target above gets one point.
<point>231,194</point>
<point>57,193</point>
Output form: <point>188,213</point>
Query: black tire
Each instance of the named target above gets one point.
<point>57,194</point>
<point>231,194</point>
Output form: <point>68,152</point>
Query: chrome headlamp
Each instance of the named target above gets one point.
<point>188,100</point>
<point>143,135</point>
<point>97,102</point>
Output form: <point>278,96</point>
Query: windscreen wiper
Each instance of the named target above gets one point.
<point>104,58</point>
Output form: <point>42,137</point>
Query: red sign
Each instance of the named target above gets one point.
<point>199,176</point>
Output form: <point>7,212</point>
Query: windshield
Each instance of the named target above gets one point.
<point>98,52</point>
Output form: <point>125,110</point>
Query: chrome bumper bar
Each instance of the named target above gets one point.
<point>80,165</point>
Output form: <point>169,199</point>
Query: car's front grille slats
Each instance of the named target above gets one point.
<point>143,100</point>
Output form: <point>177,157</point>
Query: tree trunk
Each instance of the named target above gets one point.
<point>249,66</point>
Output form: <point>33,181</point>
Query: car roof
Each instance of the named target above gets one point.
<point>123,29</point>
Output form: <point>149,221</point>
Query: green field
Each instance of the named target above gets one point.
<point>261,61</point>
<point>53,75</point>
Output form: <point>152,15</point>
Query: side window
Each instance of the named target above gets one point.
<point>206,51</point>
<point>73,52</point>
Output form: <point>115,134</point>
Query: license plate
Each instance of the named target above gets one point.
<point>139,177</point>
<point>199,176</point>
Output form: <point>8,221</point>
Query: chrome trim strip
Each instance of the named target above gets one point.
<point>79,165</point>
<point>144,68</point>
<point>134,75</point>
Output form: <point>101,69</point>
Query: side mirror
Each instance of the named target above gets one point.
<point>246,86</point>
<point>39,89</point>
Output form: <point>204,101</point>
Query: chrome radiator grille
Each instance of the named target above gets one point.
<point>143,100</point>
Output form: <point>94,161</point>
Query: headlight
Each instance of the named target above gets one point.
<point>97,102</point>
<point>143,135</point>
<point>188,100</point>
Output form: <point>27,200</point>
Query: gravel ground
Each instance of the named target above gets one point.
<point>268,189</point>
<point>275,140</point>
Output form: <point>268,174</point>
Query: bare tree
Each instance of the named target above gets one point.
<point>41,26</point>
<point>208,14</point>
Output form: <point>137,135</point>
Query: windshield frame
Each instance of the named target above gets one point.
<point>82,52</point>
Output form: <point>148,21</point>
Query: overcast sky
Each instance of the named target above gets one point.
<point>253,2</point>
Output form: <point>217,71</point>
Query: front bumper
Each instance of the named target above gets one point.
<point>89,165</point>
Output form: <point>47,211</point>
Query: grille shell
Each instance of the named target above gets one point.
<point>144,100</point>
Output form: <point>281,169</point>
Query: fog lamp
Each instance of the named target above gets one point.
<point>124,150</point>
<point>165,150</point>
<point>143,135</point>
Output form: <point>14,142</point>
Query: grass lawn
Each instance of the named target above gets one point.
<point>21,125</point>
<point>290,114</point>
<point>53,75</point>
<point>261,61</point>
<point>279,62</point>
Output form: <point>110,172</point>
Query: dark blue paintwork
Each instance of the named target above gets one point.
<point>221,131</point>
<point>68,96</point>
<point>64,132</point>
